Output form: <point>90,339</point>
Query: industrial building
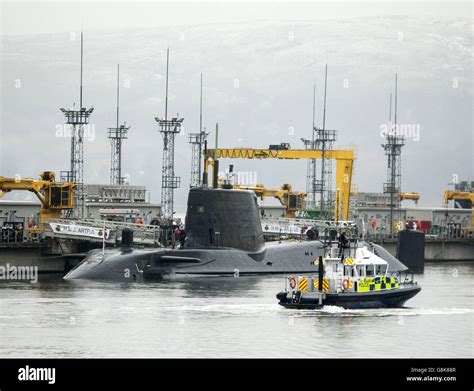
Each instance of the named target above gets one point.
<point>100,202</point>
<point>371,213</point>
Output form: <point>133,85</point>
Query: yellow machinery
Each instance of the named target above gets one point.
<point>461,196</point>
<point>292,201</point>
<point>458,195</point>
<point>54,196</point>
<point>410,196</point>
<point>344,164</point>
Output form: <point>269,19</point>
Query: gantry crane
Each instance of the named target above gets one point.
<point>292,201</point>
<point>410,196</point>
<point>458,195</point>
<point>54,196</point>
<point>461,196</point>
<point>344,165</point>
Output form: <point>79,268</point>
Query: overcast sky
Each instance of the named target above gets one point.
<point>260,61</point>
<point>36,17</point>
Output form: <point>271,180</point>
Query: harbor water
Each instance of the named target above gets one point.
<point>229,317</point>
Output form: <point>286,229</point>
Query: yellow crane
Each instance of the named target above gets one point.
<point>292,201</point>
<point>344,165</point>
<point>461,195</point>
<point>410,196</point>
<point>458,195</point>
<point>54,196</point>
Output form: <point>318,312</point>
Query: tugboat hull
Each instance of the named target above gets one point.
<point>390,298</point>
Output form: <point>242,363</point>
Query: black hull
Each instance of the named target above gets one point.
<point>391,298</point>
<point>224,237</point>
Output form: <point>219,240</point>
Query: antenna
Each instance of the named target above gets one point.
<point>167,66</point>
<point>116,136</point>
<point>82,56</point>
<point>77,119</point>
<point>197,141</point>
<point>200,108</point>
<point>325,87</point>
<point>393,149</point>
<point>396,95</point>
<point>314,105</point>
<point>390,109</point>
<point>325,141</point>
<point>118,92</point>
<point>168,129</point>
<point>311,176</point>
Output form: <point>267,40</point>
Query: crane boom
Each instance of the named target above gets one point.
<point>292,201</point>
<point>344,166</point>
<point>458,195</point>
<point>54,196</point>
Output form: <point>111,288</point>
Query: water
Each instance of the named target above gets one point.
<point>229,317</point>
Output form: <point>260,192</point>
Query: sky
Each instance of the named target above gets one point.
<point>36,17</point>
<point>260,61</point>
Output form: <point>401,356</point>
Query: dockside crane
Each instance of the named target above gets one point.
<point>410,196</point>
<point>467,198</point>
<point>55,197</point>
<point>292,201</point>
<point>344,166</point>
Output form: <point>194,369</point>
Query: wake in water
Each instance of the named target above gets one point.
<point>377,312</point>
<point>260,309</point>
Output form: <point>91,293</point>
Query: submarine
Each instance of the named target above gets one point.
<point>224,238</point>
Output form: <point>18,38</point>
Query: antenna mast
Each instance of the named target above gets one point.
<point>168,130</point>
<point>393,149</point>
<point>77,120</point>
<point>325,139</point>
<point>116,136</point>
<point>197,140</point>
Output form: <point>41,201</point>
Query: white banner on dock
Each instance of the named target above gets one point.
<point>80,230</point>
<point>281,229</point>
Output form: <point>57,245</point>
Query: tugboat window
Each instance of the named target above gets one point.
<point>370,270</point>
<point>348,271</point>
<point>380,269</point>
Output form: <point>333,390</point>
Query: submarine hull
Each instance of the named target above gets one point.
<point>391,298</point>
<point>139,265</point>
<point>224,237</point>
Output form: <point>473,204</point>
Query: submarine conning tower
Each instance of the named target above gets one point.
<point>223,218</point>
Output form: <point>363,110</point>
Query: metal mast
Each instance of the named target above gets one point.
<point>168,130</point>
<point>393,149</point>
<point>196,140</point>
<point>311,167</point>
<point>325,139</point>
<point>76,121</point>
<point>116,135</point>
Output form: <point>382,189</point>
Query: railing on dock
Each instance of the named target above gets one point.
<point>100,230</point>
<point>274,228</point>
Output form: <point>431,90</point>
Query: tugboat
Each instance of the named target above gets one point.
<point>348,276</point>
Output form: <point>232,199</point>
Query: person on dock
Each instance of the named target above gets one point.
<point>147,218</point>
